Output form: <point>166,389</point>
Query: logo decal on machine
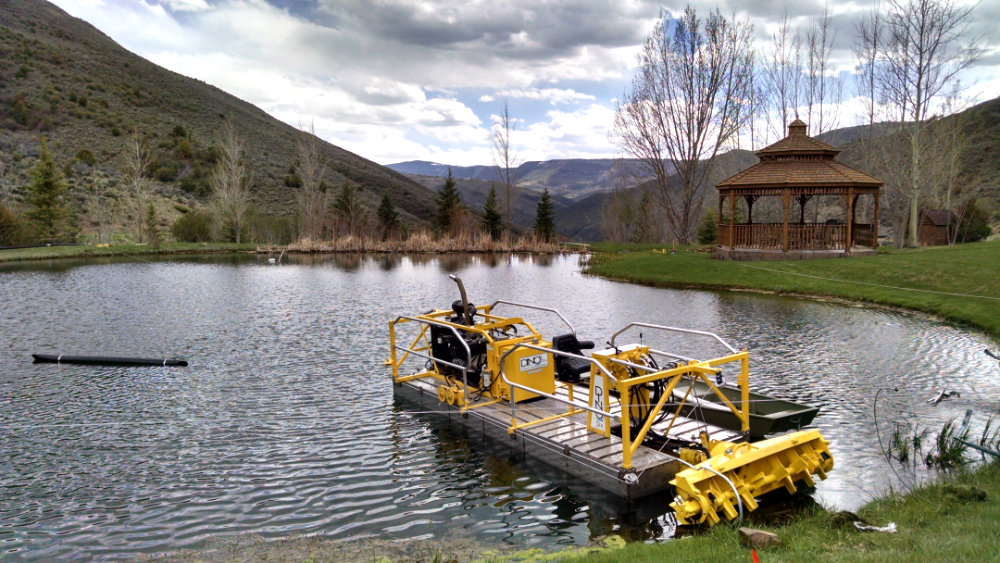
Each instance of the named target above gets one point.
<point>531,364</point>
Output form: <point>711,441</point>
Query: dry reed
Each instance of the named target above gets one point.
<point>424,242</point>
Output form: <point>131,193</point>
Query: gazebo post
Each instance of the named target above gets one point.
<point>875,223</point>
<point>786,198</point>
<point>850,221</point>
<point>732,220</point>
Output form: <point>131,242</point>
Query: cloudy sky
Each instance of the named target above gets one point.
<point>397,80</point>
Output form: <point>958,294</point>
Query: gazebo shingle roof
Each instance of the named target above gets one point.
<point>798,160</point>
<point>799,173</point>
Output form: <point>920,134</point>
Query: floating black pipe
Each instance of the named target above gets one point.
<point>104,360</point>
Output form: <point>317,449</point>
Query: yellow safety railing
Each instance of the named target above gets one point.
<point>688,369</point>
<point>574,407</point>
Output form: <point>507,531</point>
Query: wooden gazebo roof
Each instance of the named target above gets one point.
<point>797,161</point>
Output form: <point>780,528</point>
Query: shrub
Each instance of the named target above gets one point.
<point>193,226</point>
<point>166,173</point>
<point>184,149</point>
<point>11,227</point>
<point>20,109</point>
<point>708,230</point>
<point>86,157</point>
<point>975,223</point>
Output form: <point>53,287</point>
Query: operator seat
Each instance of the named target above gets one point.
<point>570,369</point>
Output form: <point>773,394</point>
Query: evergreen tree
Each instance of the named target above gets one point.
<point>152,229</point>
<point>492,218</point>
<point>388,217</point>
<point>49,211</point>
<point>347,207</point>
<point>708,230</point>
<point>449,204</point>
<point>545,219</point>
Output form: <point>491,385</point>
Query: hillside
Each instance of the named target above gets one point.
<point>583,219</point>
<point>474,193</point>
<point>573,179</point>
<point>63,79</point>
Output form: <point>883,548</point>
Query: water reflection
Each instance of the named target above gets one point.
<point>285,423</point>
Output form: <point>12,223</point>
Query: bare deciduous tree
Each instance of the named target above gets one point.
<point>688,100</point>
<point>949,138</point>
<point>135,161</point>
<point>781,74</point>
<point>925,46</point>
<point>506,162</point>
<point>629,216</point>
<point>231,180</point>
<point>312,199</point>
<point>98,208</point>
<point>823,92</point>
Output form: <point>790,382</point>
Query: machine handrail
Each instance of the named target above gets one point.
<point>537,308</point>
<point>468,351</point>
<point>675,329</point>
<point>639,366</point>
<point>503,377</point>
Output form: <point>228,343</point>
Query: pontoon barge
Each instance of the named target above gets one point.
<point>624,418</point>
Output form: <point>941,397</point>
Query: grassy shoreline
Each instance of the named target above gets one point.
<point>93,251</point>
<point>345,245</point>
<point>953,519</point>
<point>956,283</point>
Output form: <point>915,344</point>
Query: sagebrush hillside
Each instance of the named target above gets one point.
<point>63,79</point>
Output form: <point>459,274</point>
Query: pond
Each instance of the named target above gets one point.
<point>284,424</point>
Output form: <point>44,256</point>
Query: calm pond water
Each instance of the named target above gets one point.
<point>285,425</point>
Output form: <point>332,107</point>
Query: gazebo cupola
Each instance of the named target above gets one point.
<point>796,169</point>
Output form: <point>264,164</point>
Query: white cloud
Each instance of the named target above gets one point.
<point>186,5</point>
<point>552,95</point>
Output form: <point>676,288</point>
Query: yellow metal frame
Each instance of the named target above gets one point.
<point>703,370</point>
<point>693,370</point>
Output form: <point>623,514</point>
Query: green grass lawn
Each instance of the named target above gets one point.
<point>958,283</point>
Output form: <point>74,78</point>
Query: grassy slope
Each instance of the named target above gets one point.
<point>84,91</point>
<point>957,283</point>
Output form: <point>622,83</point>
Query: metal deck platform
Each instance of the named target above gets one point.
<point>565,443</point>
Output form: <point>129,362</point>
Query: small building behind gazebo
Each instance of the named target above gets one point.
<point>937,227</point>
<point>798,169</point>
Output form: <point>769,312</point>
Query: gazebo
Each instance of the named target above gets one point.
<point>797,169</point>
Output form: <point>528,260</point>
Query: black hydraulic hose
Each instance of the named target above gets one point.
<point>105,361</point>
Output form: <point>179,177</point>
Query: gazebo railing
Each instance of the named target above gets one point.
<point>817,236</point>
<point>808,236</point>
